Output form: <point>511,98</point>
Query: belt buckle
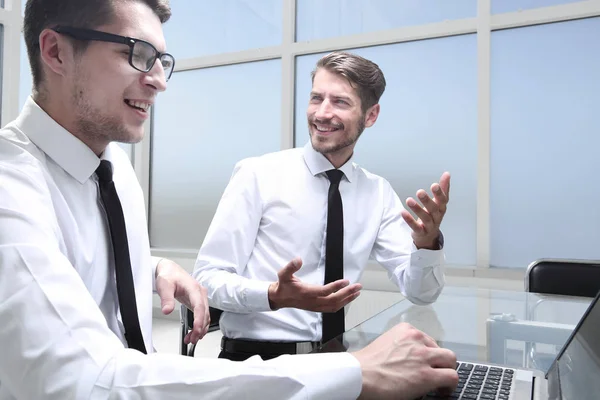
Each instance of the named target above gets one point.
<point>306,347</point>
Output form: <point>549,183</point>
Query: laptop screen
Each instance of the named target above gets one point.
<point>577,367</point>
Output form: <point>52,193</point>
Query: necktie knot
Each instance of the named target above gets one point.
<point>105,171</point>
<point>335,176</point>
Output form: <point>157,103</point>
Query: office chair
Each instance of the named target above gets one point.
<point>186,318</point>
<point>565,277</point>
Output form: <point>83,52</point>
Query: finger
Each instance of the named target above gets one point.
<point>440,198</point>
<point>430,206</point>
<point>166,292</point>
<point>202,322</point>
<point>442,358</point>
<point>348,300</point>
<point>445,183</point>
<point>188,338</point>
<point>326,290</point>
<point>414,224</point>
<point>430,342</point>
<point>419,211</point>
<point>199,327</point>
<point>336,301</point>
<point>443,378</point>
<point>287,272</point>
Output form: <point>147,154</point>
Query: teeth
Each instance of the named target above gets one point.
<point>139,104</point>
<point>324,128</point>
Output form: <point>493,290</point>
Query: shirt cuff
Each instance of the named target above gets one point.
<point>255,295</point>
<point>329,376</point>
<point>426,258</point>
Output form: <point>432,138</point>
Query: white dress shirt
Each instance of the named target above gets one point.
<point>275,209</point>
<point>60,335</point>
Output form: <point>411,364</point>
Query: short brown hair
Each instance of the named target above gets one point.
<point>364,75</point>
<point>42,14</point>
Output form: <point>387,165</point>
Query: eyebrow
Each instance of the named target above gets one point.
<point>337,97</point>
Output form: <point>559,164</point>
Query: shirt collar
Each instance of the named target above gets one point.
<point>317,163</point>
<point>70,153</point>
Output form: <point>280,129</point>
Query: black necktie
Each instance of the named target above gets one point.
<point>333,323</point>
<point>118,235</point>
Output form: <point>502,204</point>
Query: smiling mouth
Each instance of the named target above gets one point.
<point>326,128</point>
<point>137,105</point>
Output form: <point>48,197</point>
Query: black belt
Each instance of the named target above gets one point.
<point>267,348</point>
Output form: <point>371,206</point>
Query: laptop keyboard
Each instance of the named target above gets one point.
<point>479,382</point>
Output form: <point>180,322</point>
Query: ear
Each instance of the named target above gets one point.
<point>56,52</point>
<point>371,115</point>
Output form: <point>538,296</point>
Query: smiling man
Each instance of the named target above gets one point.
<point>321,217</point>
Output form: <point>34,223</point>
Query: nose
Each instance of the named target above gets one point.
<point>324,110</point>
<point>156,78</point>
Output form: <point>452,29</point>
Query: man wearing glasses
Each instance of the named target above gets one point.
<point>76,275</point>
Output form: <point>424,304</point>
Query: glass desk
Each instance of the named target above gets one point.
<point>516,329</point>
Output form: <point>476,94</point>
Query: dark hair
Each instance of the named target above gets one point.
<point>364,75</point>
<point>42,14</point>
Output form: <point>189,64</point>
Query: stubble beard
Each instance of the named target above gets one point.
<point>321,145</point>
<point>92,123</point>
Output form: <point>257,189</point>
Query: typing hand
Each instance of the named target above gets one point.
<point>290,291</point>
<point>426,228</point>
<point>404,364</point>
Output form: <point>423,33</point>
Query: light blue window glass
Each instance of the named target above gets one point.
<point>318,19</point>
<point>544,145</point>
<point>427,125</point>
<point>503,6</point>
<point>204,123</point>
<point>25,78</point>
<point>203,27</point>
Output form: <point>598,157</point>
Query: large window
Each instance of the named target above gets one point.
<point>204,27</point>
<point>545,141</point>
<point>318,19</point>
<point>503,6</point>
<point>207,121</point>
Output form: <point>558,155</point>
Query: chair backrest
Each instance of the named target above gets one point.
<point>564,277</point>
<point>215,315</point>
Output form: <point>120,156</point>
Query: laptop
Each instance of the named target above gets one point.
<point>573,375</point>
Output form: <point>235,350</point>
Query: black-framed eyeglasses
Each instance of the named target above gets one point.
<point>142,55</point>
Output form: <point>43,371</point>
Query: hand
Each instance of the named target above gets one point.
<point>290,291</point>
<point>426,229</point>
<point>173,282</point>
<point>404,364</point>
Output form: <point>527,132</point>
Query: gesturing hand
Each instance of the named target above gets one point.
<point>426,228</point>
<point>290,291</point>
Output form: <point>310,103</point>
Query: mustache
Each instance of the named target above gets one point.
<point>327,122</point>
